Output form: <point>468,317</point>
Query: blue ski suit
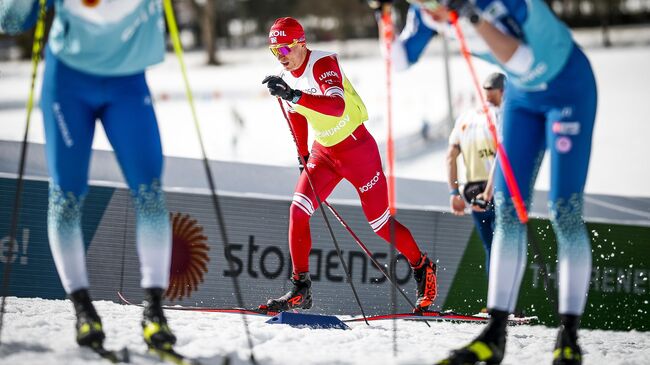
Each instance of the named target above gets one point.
<point>95,60</point>
<point>549,105</point>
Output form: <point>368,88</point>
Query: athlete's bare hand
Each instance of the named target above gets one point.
<point>457,205</point>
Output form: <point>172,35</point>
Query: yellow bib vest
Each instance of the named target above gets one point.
<point>329,130</point>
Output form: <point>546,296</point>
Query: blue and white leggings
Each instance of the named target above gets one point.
<point>559,119</point>
<point>71,102</point>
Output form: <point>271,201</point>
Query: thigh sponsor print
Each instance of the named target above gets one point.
<point>370,184</point>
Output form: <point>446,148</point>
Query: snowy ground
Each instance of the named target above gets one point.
<point>41,331</point>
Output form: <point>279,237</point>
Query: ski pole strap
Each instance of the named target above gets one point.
<point>508,174</point>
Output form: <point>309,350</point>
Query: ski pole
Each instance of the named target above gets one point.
<point>320,205</point>
<point>508,174</point>
<point>387,28</point>
<point>37,46</point>
<point>370,255</point>
<point>178,49</point>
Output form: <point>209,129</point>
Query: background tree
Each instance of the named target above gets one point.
<point>205,14</point>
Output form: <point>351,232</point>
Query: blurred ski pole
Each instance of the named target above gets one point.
<point>37,46</point>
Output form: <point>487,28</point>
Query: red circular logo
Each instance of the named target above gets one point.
<point>189,256</point>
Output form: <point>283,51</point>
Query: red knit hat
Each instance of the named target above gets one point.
<point>286,31</point>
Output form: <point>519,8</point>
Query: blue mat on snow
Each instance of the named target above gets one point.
<point>308,320</point>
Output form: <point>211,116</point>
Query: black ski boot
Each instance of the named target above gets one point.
<point>567,351</point>
<point>424,274</point>
<point>89,325</point>
<point>488,348</point>
<point>155,330</point>
<point>298,297</point>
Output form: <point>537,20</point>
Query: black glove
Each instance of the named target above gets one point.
<point>277,87</point>
<point>464,8</point>
<point>480,203</point>
<point>300,160</point>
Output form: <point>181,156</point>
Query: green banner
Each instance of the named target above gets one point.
<point>619,295</point>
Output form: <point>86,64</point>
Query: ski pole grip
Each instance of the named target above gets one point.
<point>387,24</point>
<point>481,203</point>
<point>453,17</point>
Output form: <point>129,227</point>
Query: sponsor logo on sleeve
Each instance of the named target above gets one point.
<point>535,73</point>
<point>328,74</point>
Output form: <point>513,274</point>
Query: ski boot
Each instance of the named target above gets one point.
<point>488,348</point>
<point>567,351</point>
<point>155,330</point>
<point>298,297</point>
<point>89,325</point>
<point>424,274</point>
